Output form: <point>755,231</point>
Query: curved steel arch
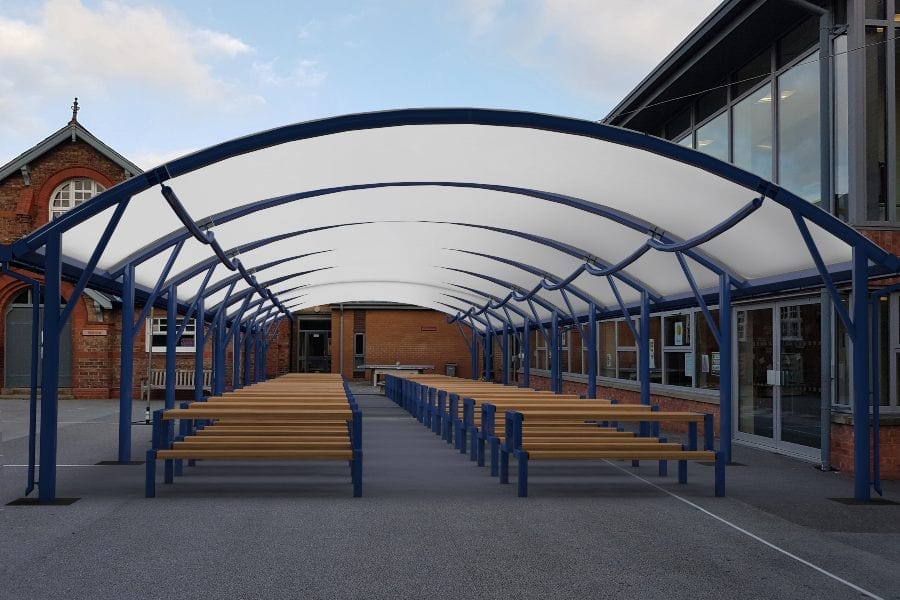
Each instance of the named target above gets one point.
<point>49,238</point>
<point>597,209</point>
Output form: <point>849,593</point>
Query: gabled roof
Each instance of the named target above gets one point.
<point>72,131</point>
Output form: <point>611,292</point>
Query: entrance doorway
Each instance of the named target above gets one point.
<point>17,343</point>
<point>779,377</point>
<point>315,351</point>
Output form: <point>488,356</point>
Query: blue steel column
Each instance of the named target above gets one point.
<point>236,351</point>
<point>504,352</point>
<point>171,331</point>
<point>248,352</point>
<point>126,364</point>
<point>474,353</point>
<point>199,348</point>
<point>526,352</point>
<point>644,356</point>
<point>859,306</point>
<point>219,357</point>
<point>554,353</point>
<point>725,370</point>
<point>644,348</point>
<point>592,351</point>
<point>50,367</point>
<point>488,353</point>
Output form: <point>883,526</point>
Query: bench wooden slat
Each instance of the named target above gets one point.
<point>703,455</point>
<point>255,454</point>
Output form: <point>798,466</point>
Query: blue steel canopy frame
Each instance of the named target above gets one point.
<point>42,251</point>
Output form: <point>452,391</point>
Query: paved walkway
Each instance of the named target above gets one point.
<point>432,525</point>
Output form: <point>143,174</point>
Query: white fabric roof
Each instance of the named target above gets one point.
<point>420,241</point>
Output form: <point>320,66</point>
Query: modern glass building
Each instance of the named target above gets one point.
<point>804,94</point>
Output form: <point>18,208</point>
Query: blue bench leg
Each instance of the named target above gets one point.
<point>480,451</point>
<point>663,464</point>
<point>635,463</point>
<point>461,438</point>
<point>495,456</point>
<point>504,466</point>
<point>522,458</point>
<point>682,471</point>
<point>720,474</point>
<point>169,471</point>
<point>150,483</point>
<point>356,473</point>
<point>192,462</point>
<point>473,446</point>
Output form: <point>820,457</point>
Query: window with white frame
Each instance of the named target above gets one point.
<point>158,330</point>
<point>71,194</point>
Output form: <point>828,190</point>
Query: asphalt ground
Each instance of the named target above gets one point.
<point>430,524</point>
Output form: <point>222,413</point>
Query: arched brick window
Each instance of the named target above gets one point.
<point>71,193</point>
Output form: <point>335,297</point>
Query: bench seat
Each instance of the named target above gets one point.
<point>242,454</point>
<point>638,453</point>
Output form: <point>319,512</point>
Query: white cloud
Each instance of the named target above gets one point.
<point>74,47</point>
<point>305,73</point>
<point>599,47</point>
<point>216,42</point>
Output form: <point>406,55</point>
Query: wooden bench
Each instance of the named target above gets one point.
<point>184,380</point>
<point>525,448</point>
<point>259,427</point>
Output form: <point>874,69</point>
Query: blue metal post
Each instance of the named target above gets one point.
<point>488,354</point>
<point>236,346</point>
<point>504,351</point>
<point>199,348</point>
<point>219,356</point>
<point>526,352</point>
<point>644,356</point>
<point>50,367</point>
<point>171,330</point>
<point>644,348</point>
<point>248,349</point>
<point>859,305</point>
<point>725,368</point>
<point>592,351</point>
<point>474,353</point>
<point>554,353</point>
<point>32,394</point>
<point>126,364</point>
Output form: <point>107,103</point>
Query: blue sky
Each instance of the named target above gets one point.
<point>156,79</point>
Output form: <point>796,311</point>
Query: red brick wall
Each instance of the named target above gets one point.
<point>842,449</point>
<point>410,336</point>
<point>278,356</point>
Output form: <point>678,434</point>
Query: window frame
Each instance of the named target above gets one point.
<point>159,327</point>
<point>54,212</point>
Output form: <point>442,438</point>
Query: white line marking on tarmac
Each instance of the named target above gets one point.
<point>751,535</point>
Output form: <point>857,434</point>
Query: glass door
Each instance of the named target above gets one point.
<point>755,364</point>
<point>778,371</point>
<point>800,388</point>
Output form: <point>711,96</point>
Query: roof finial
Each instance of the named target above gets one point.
<point>74,112</point>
